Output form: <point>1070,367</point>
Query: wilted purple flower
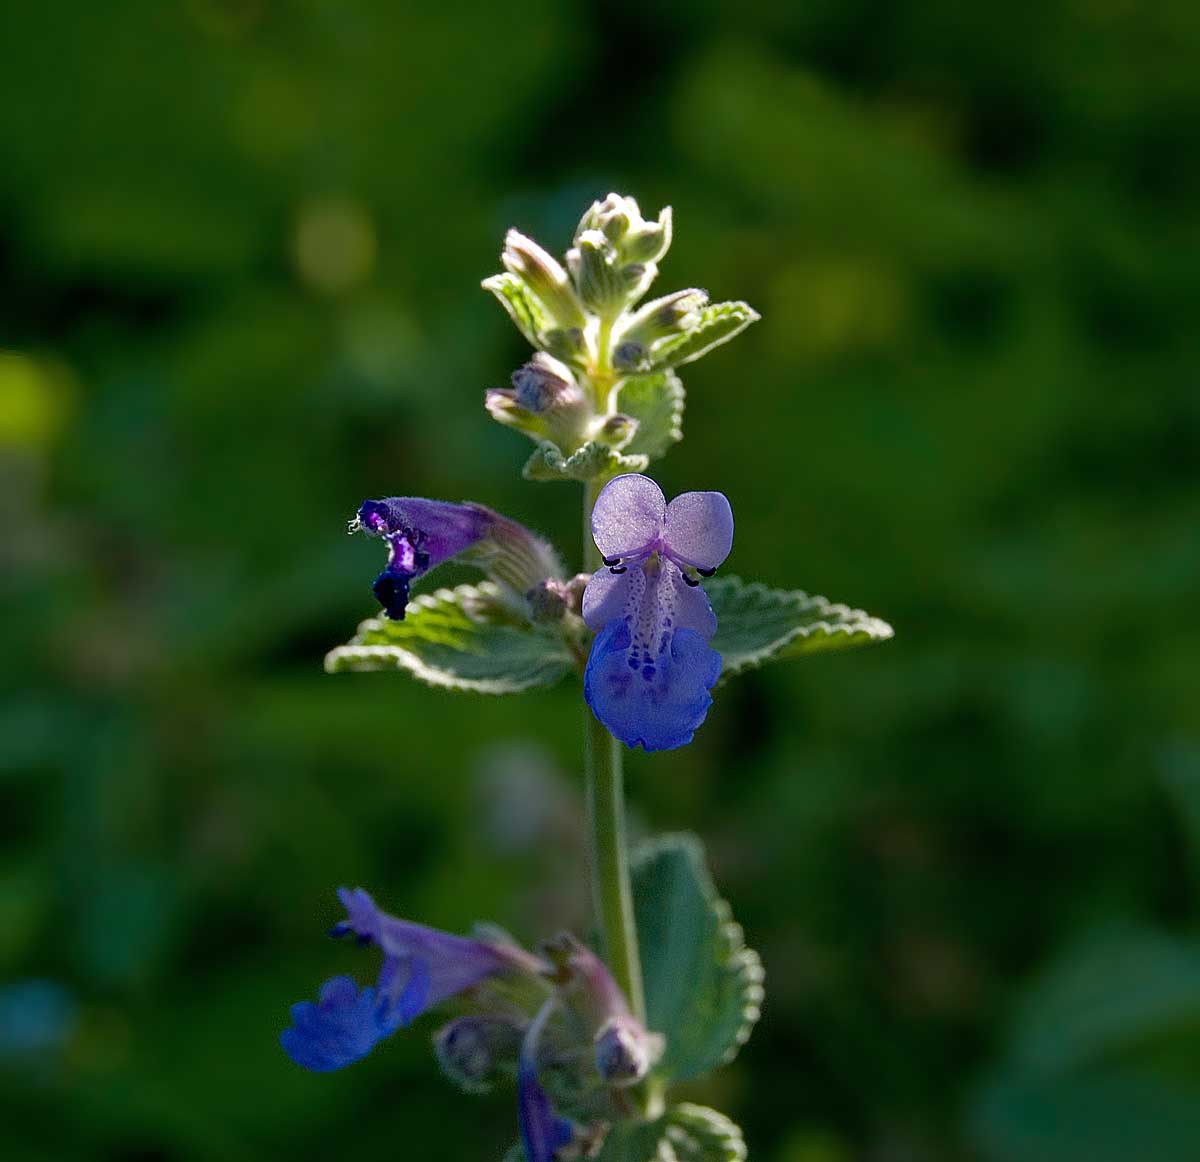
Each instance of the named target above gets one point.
<point>421,534</point>
<point>422,967</point>
<point>651,668</point>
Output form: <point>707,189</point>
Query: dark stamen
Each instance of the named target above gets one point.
<point>610,561</point>
<point>705,572</point>
<point>617,570</point>
<point>690,580</point>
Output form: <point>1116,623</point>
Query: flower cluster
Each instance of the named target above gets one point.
<point>560,1006</point>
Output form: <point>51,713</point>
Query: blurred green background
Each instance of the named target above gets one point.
<point>240,248</point>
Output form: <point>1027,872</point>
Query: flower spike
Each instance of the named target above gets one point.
<point>651,668</point>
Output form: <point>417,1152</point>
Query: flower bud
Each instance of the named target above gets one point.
<point>544,277</point>
<point>592,262</point>
<point>548,601</point>
<point>612,216</point>
<point>650,241</point>
<point>543,384</point>
<point>633,238</point>
<point>617,430</point>
<point>625,1051</point>
<point>567,344</point>
<point>473,1051</point>
<point>665,318</point>
<point>545,402</point>
<point>630,357</point>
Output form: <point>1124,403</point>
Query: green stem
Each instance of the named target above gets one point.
<point>609,845</point>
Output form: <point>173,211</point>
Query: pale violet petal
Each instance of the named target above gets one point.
<point>628,516</point>
<point>699,529</point>
<point>692,609</point>
<point>611,595</point>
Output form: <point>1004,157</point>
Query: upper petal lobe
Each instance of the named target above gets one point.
<point>628,515</point>
<point>699,529</point>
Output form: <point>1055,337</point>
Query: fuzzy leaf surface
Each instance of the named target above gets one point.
<point>524,310</point>
<point>703,985</point>
<point>756,624</point>
<point>594,461</point>
<point>717,324</point>
<point>656,402</point>
<point>458,639</point>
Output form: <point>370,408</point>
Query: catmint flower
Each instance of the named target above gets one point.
<point>422,967</point>
<point>421,534</point>
<point>651,668</point>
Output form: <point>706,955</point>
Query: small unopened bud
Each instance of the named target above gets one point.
<point>613,216</point>
<point>625,1051</point>
<point>544,277</point>
<point>592,263</point>
<point>665,318</point>
<point>650,241</point>
<point>567,344</point>
<point>617,430</point>
<point>543,383</point>
<point>630,356</point>
<point>473,1051</point>
<point>548,601</point>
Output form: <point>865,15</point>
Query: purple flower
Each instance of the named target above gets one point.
<point>420,535</point>
<point>543,1132</point>
<point>651,668</point>
<point>422,967</point>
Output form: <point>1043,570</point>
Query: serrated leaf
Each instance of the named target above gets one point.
<point>524,310</point>
<point>594,461</point>
<point>656,402</point>
<point>717,324</point>
<point>703,985</point>
<point>685,1133</point>
<point>756,624</point>
<point>450,639</point>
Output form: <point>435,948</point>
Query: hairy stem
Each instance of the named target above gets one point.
<point>609,844</point>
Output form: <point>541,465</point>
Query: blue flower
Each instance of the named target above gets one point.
<point>422,967</point>
<point>421,534</point>
<point>543,1132</point>
<point>651,668</point>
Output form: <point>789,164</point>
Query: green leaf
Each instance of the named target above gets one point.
<point>756,624</point>
<point>460,639</point>
<point>656,402</point>
<point>594,461</point>
<point>524,310</point>
<point>1113,993</point>
<point>703,986</point>
<point>685,1133</point>
<point>717,324</point>
<point>1114,1117</point>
